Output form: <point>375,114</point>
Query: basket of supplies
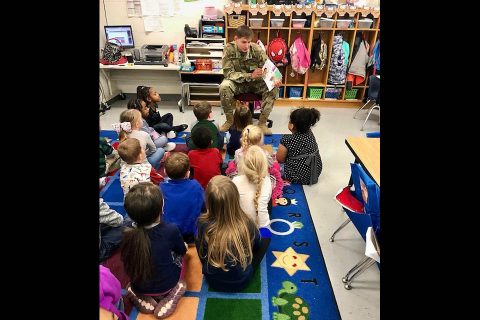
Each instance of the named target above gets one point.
<point>203,64</point>
<point>236,20</point>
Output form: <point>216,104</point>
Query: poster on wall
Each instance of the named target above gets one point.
<point>153,23</point>
<point>150,7</point>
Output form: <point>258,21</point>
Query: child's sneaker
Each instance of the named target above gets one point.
<point>171,134</point>
<point>180,128</point>
<point>170,146</point>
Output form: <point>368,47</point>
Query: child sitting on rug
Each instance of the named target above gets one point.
<point>254,185</point>
<point>299,150</point>
<point>160,140</point>
<point>253,135</point>
<point>162,124</point>
<point>203,112</point>
<point>135,168</point>
<point>184,198</point>
<point>111,302</point>
<point>228,241</point>
<point>152,254</point>
<point>241,118</point>
<point>129,127</point>
<point>205,162</point>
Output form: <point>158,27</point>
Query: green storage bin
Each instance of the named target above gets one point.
<point>315,93</point>
<point>351,94</point>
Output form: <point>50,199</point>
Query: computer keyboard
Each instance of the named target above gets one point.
<point>151,63</point>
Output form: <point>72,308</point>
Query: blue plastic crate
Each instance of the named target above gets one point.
<point>295,92</point>
<point>332,93</point>
<point>280,92</point>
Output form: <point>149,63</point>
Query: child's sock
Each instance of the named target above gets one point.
<point>170,146</point>
<point>144,304</point>
<point>167,305</point>
<point>171,134</point>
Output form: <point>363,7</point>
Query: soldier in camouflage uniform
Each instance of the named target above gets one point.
<point>242,70</point>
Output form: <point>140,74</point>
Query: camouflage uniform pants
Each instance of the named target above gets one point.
<point>228,89</point>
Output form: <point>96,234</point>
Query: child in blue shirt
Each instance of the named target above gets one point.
<point>184,198</point>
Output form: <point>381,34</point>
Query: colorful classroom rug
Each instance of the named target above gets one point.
<point>291,283</point>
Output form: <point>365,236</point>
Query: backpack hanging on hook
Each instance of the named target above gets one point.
<point>277,50</point>
<point>299,56</point>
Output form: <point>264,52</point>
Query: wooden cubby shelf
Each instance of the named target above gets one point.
<point>317,78</point>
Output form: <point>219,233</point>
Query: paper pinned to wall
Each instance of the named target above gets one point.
<point>153,23</point>
<point>165,6</point>
<point>133,8</point>
<point>150,7</point>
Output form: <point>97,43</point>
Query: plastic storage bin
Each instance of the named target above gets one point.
<point>298,23</point>
<point>280,92</point>
<point>210,13</point>
<point>365,23</point>
<point>295,92</point>
<point>351,94</point>
<point>344,23</point>
<point>256,22</point>
<point>277,22</point>
<point>332,93</point>
<point>315,93</point>
<point>236,20</point>
<point>324,23</point>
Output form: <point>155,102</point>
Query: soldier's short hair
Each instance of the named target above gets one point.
<point>244,32</point>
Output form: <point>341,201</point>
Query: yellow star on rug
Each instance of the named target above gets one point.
<point>290,261</point>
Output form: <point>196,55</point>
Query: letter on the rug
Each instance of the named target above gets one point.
<point>314,280</point>
<point>294,215</point>
<point>301,244</point>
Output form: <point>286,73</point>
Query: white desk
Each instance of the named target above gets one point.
<point>171,66</point>
<point>134,75</point>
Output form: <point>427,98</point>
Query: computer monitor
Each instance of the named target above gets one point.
<point>123,33</point>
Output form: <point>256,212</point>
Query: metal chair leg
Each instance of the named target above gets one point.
<point>374,107</point>
<point>361,108</point>
<point>346,278</point>
<point>367,264</point>
<point>332,238</point>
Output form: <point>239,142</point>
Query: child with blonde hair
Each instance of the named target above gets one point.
<point>253,135</point>
<point>254,185</point>
<point>152,253</point>
<point>129,127</point>
<point>241,119</point>
<point>160,140</point>
<point>228,241</point>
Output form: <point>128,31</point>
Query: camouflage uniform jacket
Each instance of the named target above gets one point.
<point>238,67</point>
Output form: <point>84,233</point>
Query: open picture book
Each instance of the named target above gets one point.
<point>270,74</point>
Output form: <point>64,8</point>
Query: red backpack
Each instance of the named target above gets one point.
<point>276,50</point>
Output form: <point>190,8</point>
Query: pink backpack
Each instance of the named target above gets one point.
<point>300,57</point>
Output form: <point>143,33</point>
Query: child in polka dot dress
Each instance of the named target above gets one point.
<point>299,150</point>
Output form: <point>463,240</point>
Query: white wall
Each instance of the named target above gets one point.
<point>116,14</point>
